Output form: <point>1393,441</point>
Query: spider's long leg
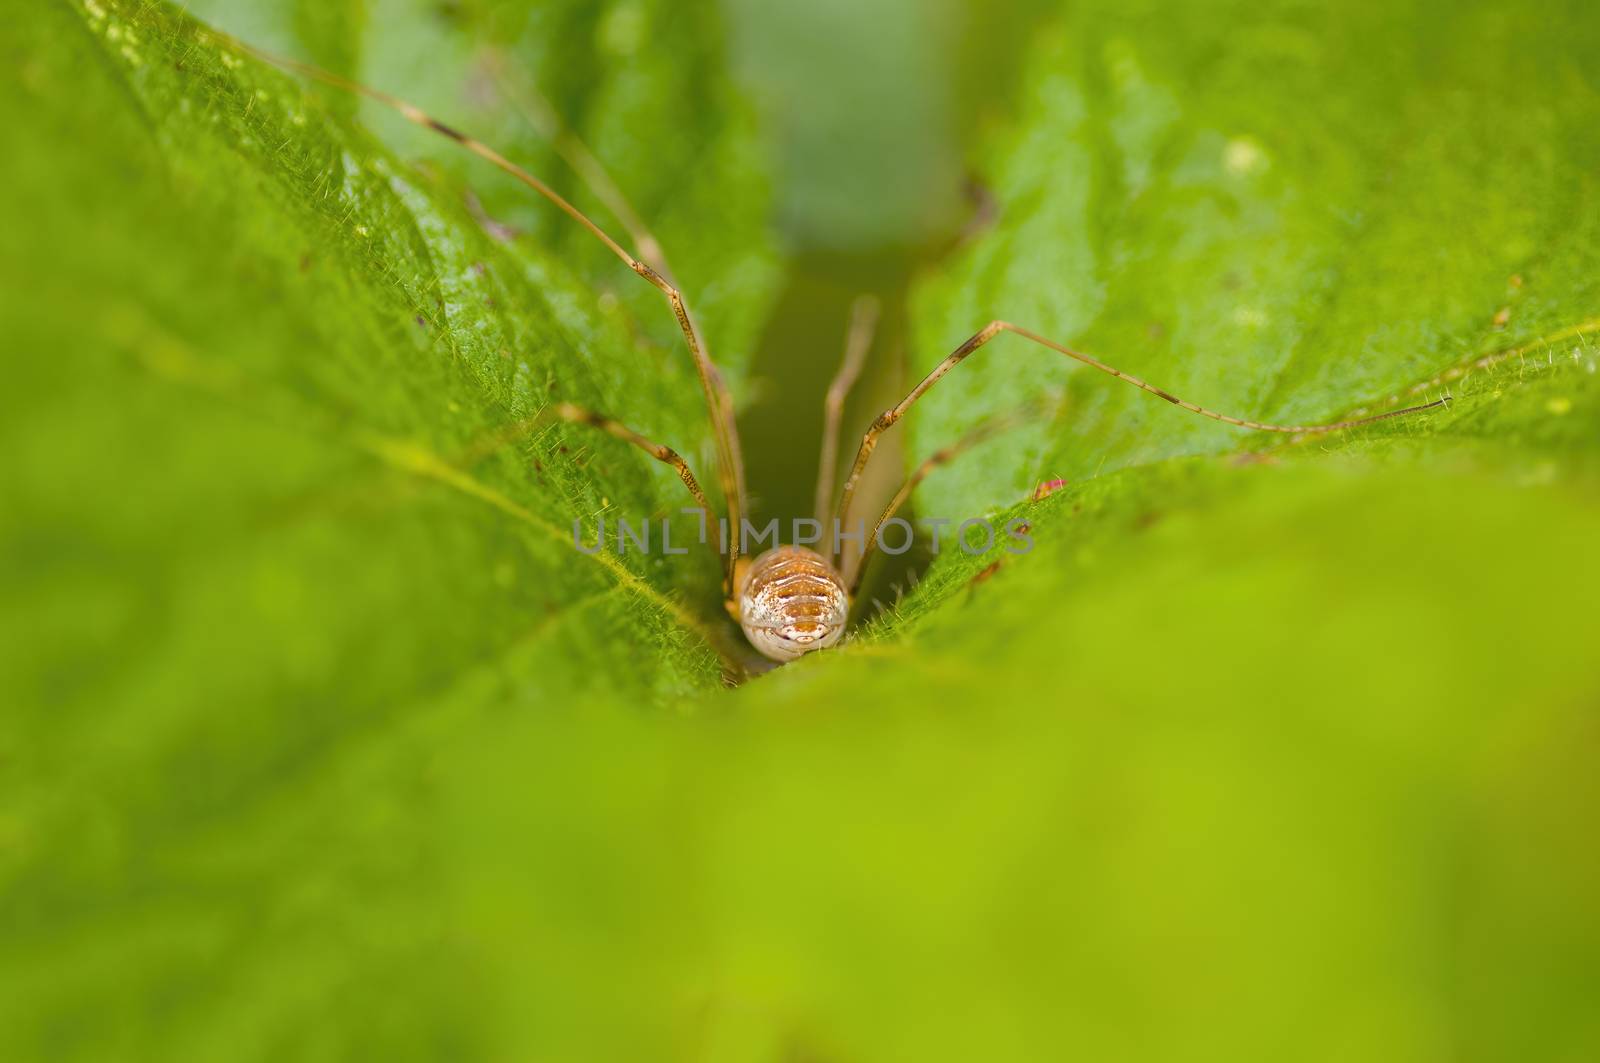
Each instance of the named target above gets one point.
<point>985,431</point>
<point>566,411</point>
<point>863,322</point>
<point>994,328</point>
<point>719,402</point>
<point>540,114</point>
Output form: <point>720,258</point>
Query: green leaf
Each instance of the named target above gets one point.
<point>311,361</point>
<point>321,741</point>
<point>1277,213</point>
<point>1384,227</point>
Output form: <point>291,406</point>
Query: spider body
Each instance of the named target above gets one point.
<point>791,601</point>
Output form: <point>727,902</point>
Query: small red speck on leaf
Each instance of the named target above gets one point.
<point>1047,488</point>
<point>986,573</point>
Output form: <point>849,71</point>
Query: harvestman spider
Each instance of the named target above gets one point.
<point>789,600</point>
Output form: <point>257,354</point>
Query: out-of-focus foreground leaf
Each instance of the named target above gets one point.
<point>328,745</point>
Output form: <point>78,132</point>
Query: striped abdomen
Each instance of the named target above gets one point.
<point>791,602</point>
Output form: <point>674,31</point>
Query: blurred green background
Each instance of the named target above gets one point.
<point>319,741</point>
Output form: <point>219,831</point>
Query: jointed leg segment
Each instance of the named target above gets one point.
<point>719,402</point>
<point>984,432</point>
<point>863,322</point>
<point>566,411</point>
<point>537,111</point>
<point>888,418</point>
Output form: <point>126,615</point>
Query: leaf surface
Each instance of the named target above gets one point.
<point>322,741</point>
